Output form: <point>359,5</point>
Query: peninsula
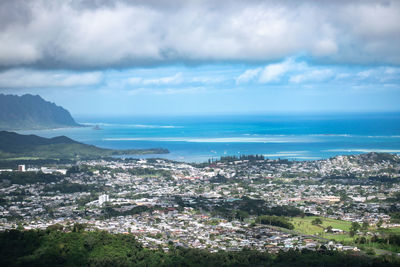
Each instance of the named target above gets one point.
<point>14,146</point>
<point>29,112</point>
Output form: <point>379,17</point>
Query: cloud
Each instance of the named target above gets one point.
<point>135,80</point>
<point>121,34</point>
<point>248,75</point>
<point>289,72</point>
<point>365,74</point>
<point>273,72</point>
<point>342,75</point>
<point>379,74</point>
<point>208,80</point>
<point>175,79</point>
<point>167,91</point>
<point>325,48</point>
<point>22,78</point>
<point>392,71</point>
<point>159,81</point>
<point>312,76</point>
<point>295,71</point>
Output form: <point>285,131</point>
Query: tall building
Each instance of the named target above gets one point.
<point>103,198</point>
<point>21,168</point>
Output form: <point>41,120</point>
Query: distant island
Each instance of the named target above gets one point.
<point>28,112</point>
<point>17,146</point>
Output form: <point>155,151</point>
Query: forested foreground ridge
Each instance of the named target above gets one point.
<point>54,247</point>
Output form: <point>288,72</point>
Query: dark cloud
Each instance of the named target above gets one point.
<point>95,34</point>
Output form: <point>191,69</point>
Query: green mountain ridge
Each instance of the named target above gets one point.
<point>14,146</point>
<point>32,112</point>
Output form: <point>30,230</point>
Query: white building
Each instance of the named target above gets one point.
<point>49,170</point>
<point>103,198</point>
<point>21,168</point>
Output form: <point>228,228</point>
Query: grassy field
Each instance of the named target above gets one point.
<point>304,226</point>
<point>395,231</point>
<point>22,158</point>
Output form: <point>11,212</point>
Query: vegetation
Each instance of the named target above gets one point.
<point>54,247</point>
<point>13,146</point>
<point>149,172</point>
<point>316,221</point>
<point>241,157</point>
<point>13,163</point>
<point>275,221</point>
<point>29,177</point>
<point>109,211</point>
<point>32,112</point>
<point>354,233</point>
<point>239,208</point>
<point>305,226</point>
<point>68,188</point>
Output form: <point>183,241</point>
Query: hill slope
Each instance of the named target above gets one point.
<point>32,112</point>
<point>13,146</point>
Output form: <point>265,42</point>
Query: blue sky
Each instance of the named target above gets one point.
<point>201,57</point>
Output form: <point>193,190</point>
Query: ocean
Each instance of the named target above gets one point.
<point>199,138</point>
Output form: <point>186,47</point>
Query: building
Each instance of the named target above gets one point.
<point>103,198</point>
<point>21,168</point>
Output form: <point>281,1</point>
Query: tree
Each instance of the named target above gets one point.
<point>78,227</point>
<point>379,223</point>
<point>241,215</point>
<point>365,225</point>
<point>370,251</point>
<point>344,196</point>
<point>20,227</point>
<point>316,221</point>
<point>275,220</point>
<point>355,226</point>
<point>329,229</point>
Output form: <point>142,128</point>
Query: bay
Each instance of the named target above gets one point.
<point>198,138</point>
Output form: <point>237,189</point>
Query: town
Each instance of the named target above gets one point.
<point>227,204</point>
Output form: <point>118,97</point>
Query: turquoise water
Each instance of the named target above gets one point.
<point>196,138</point>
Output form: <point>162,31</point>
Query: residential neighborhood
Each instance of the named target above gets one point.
<point>213,206</point>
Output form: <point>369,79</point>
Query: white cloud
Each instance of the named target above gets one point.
<point>22,78</point>
<point>208,79</point>
<point>174,79</point>
<point>102,34</point>
<point>392,71</point>
<point>380,74</point>
<point>312,76</point>
<point>248,75</point>
<point>167,91</point>
<point>365,74</point>
<point>15,51</point>
<point>325,48</point>
<point>289,69</point>
<point>135,80</point>
<point>159,81</point>
<point>273,72</point>
<point>186,90</point>
<point>341,76</point>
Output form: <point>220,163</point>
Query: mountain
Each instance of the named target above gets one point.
<point>32,112</point>
<point>14,146</point>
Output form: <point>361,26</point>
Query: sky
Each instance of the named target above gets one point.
<point>178,57</point>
